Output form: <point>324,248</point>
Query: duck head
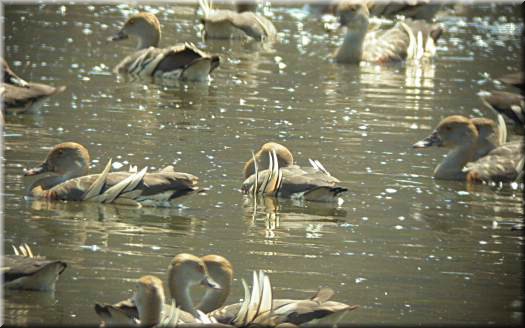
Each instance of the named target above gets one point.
<point>68,159</point>
<point>452,131</point>
<point>353,14</point>
<point>221,271</point>
<point>284,156</point>
<point>149,298</point>
<point>144,26</point>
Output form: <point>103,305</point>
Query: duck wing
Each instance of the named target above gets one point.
<point>251,24</point>
<point>17,98</point>
<point>501,164</point>
<point>174,60</point>
<point>159,186</point>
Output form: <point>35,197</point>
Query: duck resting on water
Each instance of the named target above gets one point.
<point>408,39</point>
<point>182,61</point>
<point>272,172</point>
<point>68,163</point>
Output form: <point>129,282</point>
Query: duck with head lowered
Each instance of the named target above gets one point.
<point>69,164</point>
<point>183,61</point>
<point>238,25</point>
<point>272,172</point>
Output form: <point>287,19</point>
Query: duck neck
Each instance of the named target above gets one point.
<point>40,186</point>
<point>213,298</point>
<point>351,51</point>
<point>183,300</point>
<point>150,312</point>
<point>149,38</point>
<point>452,166</point>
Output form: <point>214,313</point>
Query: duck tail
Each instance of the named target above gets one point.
<point>324,194</point>
<point>206,6</point>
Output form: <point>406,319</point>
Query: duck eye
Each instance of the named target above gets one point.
<point>200,268</point>
<point>131,22</point>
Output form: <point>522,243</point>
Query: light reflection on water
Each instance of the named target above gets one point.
<point>407,248</point>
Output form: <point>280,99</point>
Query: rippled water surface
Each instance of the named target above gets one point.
<point>406,248</point>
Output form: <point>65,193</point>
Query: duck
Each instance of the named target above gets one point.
<point>25,271</point>
<point>515,79</point>
<point>218,268</point>
<point>240,24</point>
<point>259,308</point>
<point>182,61</point>
<point>19,96</point>
<point>272,172</point>
<point>69,164</point>
<point>510,104</point>
<point>408,39</point>
<point>459,133</point>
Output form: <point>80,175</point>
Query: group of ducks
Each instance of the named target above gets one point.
<point>479,152</point>
<point>147,305</point>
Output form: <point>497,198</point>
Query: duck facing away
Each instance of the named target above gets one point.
<point>461,135</point>
<point>19,96</point>
<point>23,270</point>
<point>240,24</point>
<point>272,172</point>
<point>180,62</point>
<point>409,39</point>
<point>69,162</point>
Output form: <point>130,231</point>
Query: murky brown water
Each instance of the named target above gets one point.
<point>407,248</point>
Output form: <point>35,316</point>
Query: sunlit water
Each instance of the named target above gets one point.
<point>406,248</point>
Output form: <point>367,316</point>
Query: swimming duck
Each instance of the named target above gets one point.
<point>271,171</point>
<point>181,274</point>
<point>259,308</point>
<point>510,104</point>
<point>460,134</point>
<point>69,161</point>
<point>19,96</point>
<point>182,61</point>
<point>229,24</point>
<point>23,270</point>
<point>409,39</point>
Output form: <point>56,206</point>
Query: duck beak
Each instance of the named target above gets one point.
<point>119,36</point>
<point>209,282</point>
<point>432,140</point>
<point>37,170</point>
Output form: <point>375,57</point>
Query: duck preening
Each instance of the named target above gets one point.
<point>240,24</point>
<point>272,172</point>
<point>182,61</point>
<point>69,164</point>
<point>408,39</point>
<point>470,157</point>
<point>19,96</point>
<point>23,270</point>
